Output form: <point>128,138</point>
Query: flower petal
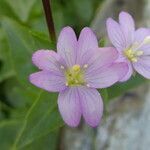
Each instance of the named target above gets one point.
<point>48,81</point>
<point>107,76</point>
<point>101,57</point>
<point>92,105</point>
<point>87,42</point>
<point>128,27</point>
<point>140,35</point>
<point>128,74</point>
<point>47,60</point>
<point>69,106</point>
<point>67,45</point>
<point>143,66</point>
<point>115,34</point>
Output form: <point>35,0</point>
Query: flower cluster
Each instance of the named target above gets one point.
<point>80,67</point>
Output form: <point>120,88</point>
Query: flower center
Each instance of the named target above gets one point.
<point>133,55</point>
<point>75,76</point>
<point>133,52</point>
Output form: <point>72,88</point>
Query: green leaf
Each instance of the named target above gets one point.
<point>41,119</point>
<point>19,97</point>
<point>43,116</point>
<point>104,94</point>
<point>48,142</point>
<point>6,68</point>
<point>22,44</point>
<point>6,10</point>
<point>82,7</point>
<point>21,8</point>
<point>8,132</point>
<point>121,88</point>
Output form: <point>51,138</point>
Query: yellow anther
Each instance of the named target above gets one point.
<point>76,68</point>
<point>139,53</point>
<point>76,81</point>
<point>134,59</point>
<point>147,40</point>
<point>133,55</point>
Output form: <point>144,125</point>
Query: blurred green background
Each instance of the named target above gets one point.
<point>29,117</point>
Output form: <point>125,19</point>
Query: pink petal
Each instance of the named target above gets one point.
<point>143,66</point>
<point>140,35</point>
<point>92,105</point>
<point>115,34</point>
<point>87,42</point>
<point>101,57</point>
<point>128,27</point>
<point>48,81</point>
<point>107,76</point>
<point>47,60</point>
<point>128,74</point>
<point>69,106</point>
<point>67,45</point>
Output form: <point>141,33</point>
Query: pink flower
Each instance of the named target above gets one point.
<point>75,71</point>
<point>132,45</point>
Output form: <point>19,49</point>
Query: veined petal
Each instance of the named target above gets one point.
<point>142,66</point>
<point>87,42</point>
<point>107,76</point>
<point>69,106</point>
<point>47,60</point>
<point>140,35</point>
<point>115,34</point>
<point>67,45</point>
<point>92,105</point>
<point>48,81</point>
<point>128,27</point>
<point>101,57</point>
<point>128,74</point>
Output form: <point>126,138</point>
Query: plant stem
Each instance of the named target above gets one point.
<point>49,19</point>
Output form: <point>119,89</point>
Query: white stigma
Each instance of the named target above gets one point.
<point>66,84</point>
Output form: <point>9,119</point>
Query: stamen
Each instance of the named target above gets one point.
<point>85,66</point>
<point>75,76</point>
<point>62,67</point>
<point>134,59</point>
<point>88,85</point>
<point>76,68</point>
<point>147,40</point>
<point>139,53</point>
<point>133,55</point>
<point>66,84</point>
<point>76,81</point>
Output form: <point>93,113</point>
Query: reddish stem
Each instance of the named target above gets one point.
<point>49,19</point>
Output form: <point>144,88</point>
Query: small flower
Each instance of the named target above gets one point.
<point>132,45</point>
<point>75,71</point>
